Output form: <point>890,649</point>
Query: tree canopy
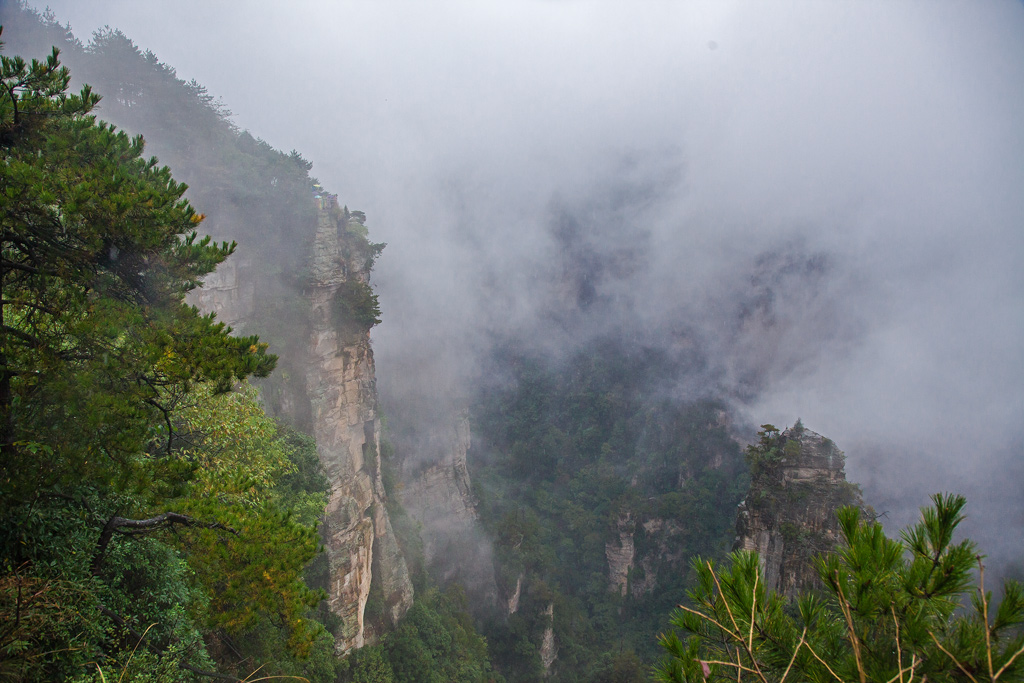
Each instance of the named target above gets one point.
<point>99,250</point>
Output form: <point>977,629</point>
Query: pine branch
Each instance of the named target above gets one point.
<point>141,526</point>
<point>955,660</point>
<point>750,652</point>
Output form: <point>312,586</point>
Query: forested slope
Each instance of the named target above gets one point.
<point>149,505</point>
<point>149,540</point>
<point>597,485</point>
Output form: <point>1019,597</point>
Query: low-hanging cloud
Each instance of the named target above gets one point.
<point>825,195</point>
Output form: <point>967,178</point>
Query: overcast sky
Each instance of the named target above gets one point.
<point>885,139</point>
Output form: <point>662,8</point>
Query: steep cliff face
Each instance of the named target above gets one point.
<point>341,386</point>
<point>441,491</point>
<point>548,647</point>
<point>229,291</point>
<point>789,516</point>
<point>326,384</point>
<point>440,498</point>
<point>634,567</point>
<point>279,284</point>
<point>620,554</point>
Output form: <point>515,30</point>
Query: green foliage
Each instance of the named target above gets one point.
<point>302,486</point>
<point>357,243</point>
<point>239,457</point>
<point>254,194</point>
<point>565,457</point>
<point>623,666</point>
<point>890,611</point>
<point>766,455</point>
<point>368,665</point>
<point>73,606</point>
<point>435,643</point>
<point>355,307</point>
<point>143,518</point>
<point>98,252</point>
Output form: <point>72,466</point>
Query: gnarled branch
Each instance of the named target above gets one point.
<point>141,526</point>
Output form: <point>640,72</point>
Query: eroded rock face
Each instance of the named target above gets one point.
<point>664,552</point>
<point>337,402</point>
<point>789,516</point>
<point>620,555</point>
<point>441,491</point>
<point>548,648</point>
<point>342,391</point>
<point>229,291</point>
<point>512,605</point>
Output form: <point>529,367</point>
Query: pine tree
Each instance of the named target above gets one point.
<point>98,251</point>
<point>891,611</point>
<point>99,353</point>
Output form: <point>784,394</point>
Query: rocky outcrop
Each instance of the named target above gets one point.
<point>341,385</point>
<point>334,397</point>
<point>663,541</point>
<point>648,546</point>
<point>620,555</point>
<point>441,491</point>
<point>789,516</point>
<point>548,648</point>
<point>512,606</point>
<point>229,291</point>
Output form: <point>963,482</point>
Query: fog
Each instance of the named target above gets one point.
<point>826,198</point>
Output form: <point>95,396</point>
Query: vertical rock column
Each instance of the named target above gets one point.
<point>620,556</point>
<point>341,385</point>
<point>548,647</point>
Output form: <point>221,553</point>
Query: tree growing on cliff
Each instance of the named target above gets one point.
<point>891,611</point>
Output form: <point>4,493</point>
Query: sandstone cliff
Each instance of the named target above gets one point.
<point>341,386</point>
<point>325,384</point>
<point>229,291</point>
<point>441,490</point>
<point>789,516</point>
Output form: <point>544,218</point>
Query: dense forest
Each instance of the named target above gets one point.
<point>162,496</point>
<point>570,456</point>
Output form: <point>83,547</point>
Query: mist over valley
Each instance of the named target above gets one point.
<point>618,239</point>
